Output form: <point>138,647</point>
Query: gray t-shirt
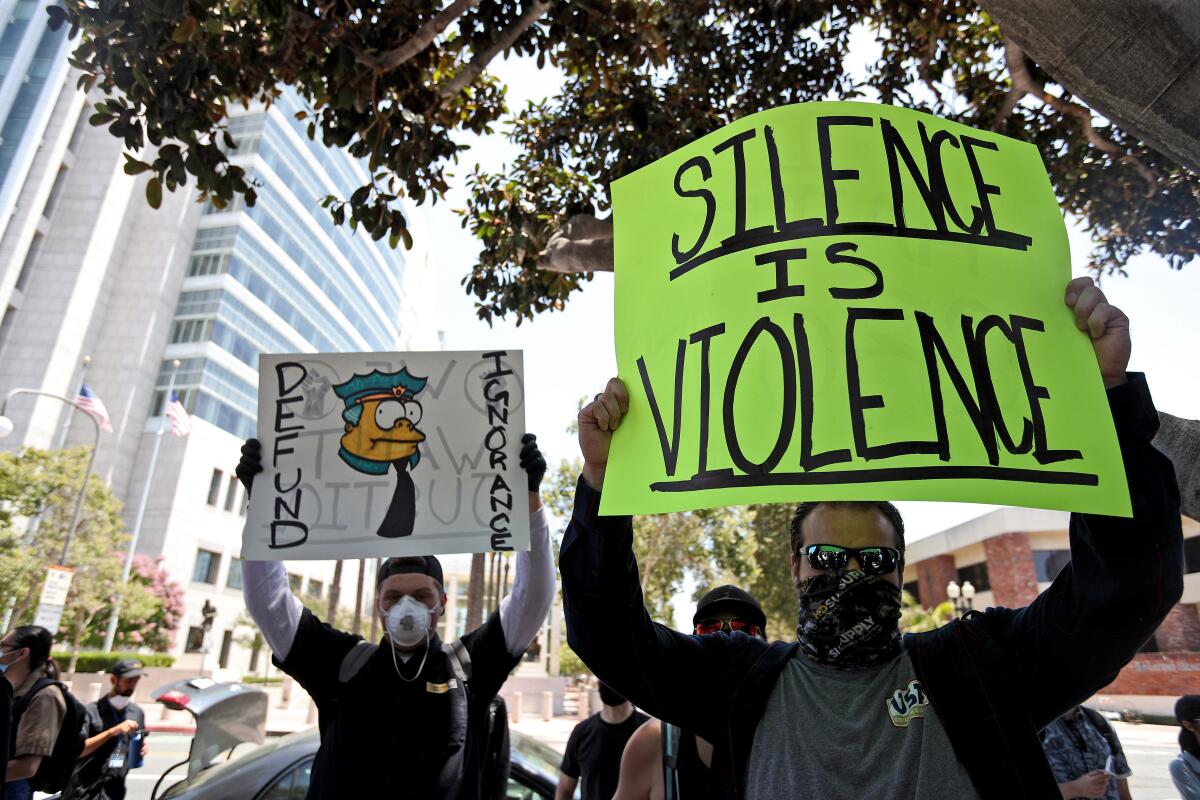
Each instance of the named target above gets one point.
<point>830,733</point>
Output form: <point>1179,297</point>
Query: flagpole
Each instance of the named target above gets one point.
<point>66,428</point>
<point>111,634</point>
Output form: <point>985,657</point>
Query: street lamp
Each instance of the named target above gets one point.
<point>6,428</point>
<point>963,596</point>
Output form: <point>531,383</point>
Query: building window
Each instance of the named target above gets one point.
<point>315,588</point>
<point>914,588</point>
<point>294,582</point>
<point>226,645</point>
<point>231,493</point>
<point>214,487</point>
<point>195,640</point>
<point>234,581</point>
<point>207,564</point>
<point>1048,563</point>
<point>977,574</point>
<point>1191,555</point>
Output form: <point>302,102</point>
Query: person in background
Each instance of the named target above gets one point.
<point>116,730</point>
<point>1185,769</point>
<point>36,720</point>
<point>661,762</point>
<point>594,750</point>
<point>1086,756</point>
<point>410,716</point>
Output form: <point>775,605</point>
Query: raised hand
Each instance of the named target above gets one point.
<point>1106,324</point>
<point>597,420</point>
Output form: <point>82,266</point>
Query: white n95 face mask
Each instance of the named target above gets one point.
<point>407,622</point>
<point>119,701</point>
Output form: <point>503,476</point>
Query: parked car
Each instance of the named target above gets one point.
<point>280,770</point>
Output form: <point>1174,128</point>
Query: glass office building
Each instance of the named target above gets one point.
<point>278,276</point>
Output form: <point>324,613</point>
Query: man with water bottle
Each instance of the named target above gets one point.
<point>116,737</point>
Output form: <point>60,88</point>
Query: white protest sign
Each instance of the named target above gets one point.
<point>388,454</point>
<point>53,598</point>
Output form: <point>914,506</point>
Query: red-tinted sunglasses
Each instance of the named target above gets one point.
<point>727,624</point>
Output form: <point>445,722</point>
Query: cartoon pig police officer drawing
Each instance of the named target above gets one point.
<point>381,418</point>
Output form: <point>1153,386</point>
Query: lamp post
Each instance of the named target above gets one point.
<point>110,635</point>
<point>6,428</point>
<point>963,596</point>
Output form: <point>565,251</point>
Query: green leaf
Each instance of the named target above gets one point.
<point>154,192</point>
<point>133,166</point>
<point>101,118</point>
<point>185,31</point>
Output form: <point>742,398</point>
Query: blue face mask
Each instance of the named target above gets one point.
<point>4,667</point>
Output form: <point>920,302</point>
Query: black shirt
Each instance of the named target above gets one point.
<point>594,752</point>
<point>96,779</point>
<point>383,736</point>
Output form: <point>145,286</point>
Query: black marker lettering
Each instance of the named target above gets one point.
<point>737,143</point>
<point>860,402</point>
<point>703,337</point>
<point>834,254</point>
<point>783,287</point>
<point>710,207</point>
<point>829,175</point>
<point>670,450</point>
<point>808,459</point>
<point>787,420</point>
<point>934,348</point>
<point>1036,394</point>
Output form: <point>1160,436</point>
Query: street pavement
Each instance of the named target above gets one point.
<point>1149,749</point>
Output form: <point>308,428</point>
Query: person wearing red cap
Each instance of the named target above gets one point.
<point>410,716</point>
<point>662,762</point>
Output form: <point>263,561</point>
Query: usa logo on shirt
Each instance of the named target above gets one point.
<point>906,704</point>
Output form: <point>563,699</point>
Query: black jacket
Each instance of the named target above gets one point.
<point>995,678</point>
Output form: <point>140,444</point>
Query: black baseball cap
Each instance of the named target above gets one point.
<point>729,598</point>
<point>127,668</point>
<point>1187,707</point>
<point>411,565</point>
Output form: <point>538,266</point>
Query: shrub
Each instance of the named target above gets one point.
<point>100,661</point>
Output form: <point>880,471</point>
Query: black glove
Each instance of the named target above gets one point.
<point>532,461</point>
<point>251,463</point>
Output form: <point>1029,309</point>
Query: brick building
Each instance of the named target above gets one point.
<point>1011,554</point>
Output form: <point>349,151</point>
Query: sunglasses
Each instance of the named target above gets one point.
<point>729,625</point>
<point>832,558</point>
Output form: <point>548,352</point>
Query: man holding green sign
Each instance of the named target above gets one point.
<point>851,303</point>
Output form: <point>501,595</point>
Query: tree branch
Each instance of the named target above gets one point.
<point>505,40</point>
<point>583,244</point>
<point>420,40</point>
<point>1023,83</point>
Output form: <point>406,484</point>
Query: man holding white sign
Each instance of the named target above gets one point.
<point>853,709</point>
<point>408,717</point>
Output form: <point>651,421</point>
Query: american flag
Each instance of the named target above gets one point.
<point>88,402</point>
<point>181,423</point>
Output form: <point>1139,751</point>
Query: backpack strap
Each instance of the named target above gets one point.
<point>460,659</point>
<point>1102,727</point>
<point>356,659</point>
<point>670,746</point>
<point>22,705</point>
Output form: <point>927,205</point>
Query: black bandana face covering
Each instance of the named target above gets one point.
<point>849,619</point>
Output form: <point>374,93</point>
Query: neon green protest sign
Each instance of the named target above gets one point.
<point>851,301</point>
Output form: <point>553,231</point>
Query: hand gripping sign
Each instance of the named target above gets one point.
<point>851,301</point>
<point>387,454</point>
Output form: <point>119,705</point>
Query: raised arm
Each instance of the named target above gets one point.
<point>660,670</point>
<point>1179,440</point>
<point>523,611</point>
<point>268,597</point>
<point>1125,574</point>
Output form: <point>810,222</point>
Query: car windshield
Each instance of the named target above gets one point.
<point>538,757</point>
<point>217,767</point>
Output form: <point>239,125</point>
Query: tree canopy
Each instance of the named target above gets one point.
<point>395,82</point>
<point>42,485</point>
